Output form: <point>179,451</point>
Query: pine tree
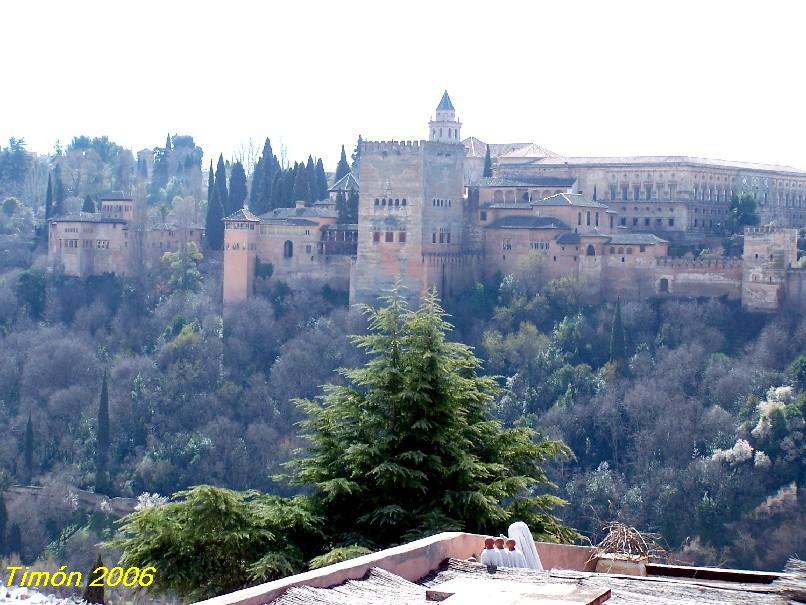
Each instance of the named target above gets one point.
<point>89,205</point>
<point>343,168</point>
<point>58,192</point>
<point>617,344</point>
<point>102,440</point>
<point>94,594</point>
<point>168,146</point>
<point>488,164</point>
<point>261,198</point>
<point>28,450</point>
<point>49,200</point>
<point>409,446</point>
<point>214,222</point>
<point>221,185</point>
<point>277,194</point>
<point>356,156</point>
<point>237,188</point>
<point>301,189</point>
<point>321,181</point>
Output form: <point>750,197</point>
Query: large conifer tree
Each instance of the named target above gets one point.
<point>214,222</point>
<point>342,168</point>
<point>102,441</point>
<point>58,192</point>
<point>356,157</point>
<point>221,185</point>
<point>409,447</point>
<point>321,181</point>
<point>617,344</point>
<point>49,200</point>
<point>28,450</point>
<point>89,205</point>
<point>301,191</point>
<point>488,164</point>
<point>237,188</point>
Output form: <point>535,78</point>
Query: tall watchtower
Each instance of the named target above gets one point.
<point>445,127</point>
<point>769,252</point>
<point>410,213</point>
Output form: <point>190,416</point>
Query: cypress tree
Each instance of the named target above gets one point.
<point>28,450</point>
<point>58,192</point>
<point>409,446</point>
<point>49,200</point>
<point>221,185</point>
<point>488,164</point>
<point>301,189</point>
<point>310,175</point>
<point>14,541</point>
<point>356,157</point>
<point>342,168</point>
<point>94,594</point>
<point>89,205</point>
<point>214,222</point>
<point>341,208</point>
<point>3,523</point>
<point>102,440</point>
<point>352,208</point>
<point>210,182</point>
<point>237,188</point>
<point>321,181</point>
<point>277,190</point>
<point>261,195</point>
<point>617,344</point>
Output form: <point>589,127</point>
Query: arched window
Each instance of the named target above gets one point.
<point>450,132</point>
<point>588,218</point>
<point>288,248</point>
<point>590,250</point>
<point>612,250</point>
<point>579,218</point>
<point>664,285</point>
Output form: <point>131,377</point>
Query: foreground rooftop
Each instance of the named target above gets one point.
<point>436,569</point>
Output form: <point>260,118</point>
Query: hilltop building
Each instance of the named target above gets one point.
<point>428,218</point>
<point>112,240</point>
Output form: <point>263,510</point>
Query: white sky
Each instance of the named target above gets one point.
<point>605,77</point>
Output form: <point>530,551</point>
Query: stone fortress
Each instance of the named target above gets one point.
<point>427,216</point>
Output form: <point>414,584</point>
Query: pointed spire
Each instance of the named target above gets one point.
<point>445,104</point>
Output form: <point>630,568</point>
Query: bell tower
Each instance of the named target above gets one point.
<point>445,127</point>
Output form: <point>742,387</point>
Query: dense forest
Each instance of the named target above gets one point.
<point>685,417</point>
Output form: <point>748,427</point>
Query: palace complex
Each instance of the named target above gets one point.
<point>428,216</point>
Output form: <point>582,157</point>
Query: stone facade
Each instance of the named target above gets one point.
<point>110,240</point>
<point>605,222</point>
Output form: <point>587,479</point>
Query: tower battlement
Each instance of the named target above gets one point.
<point>391,146</point>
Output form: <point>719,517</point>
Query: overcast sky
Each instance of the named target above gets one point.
<point>705,78</point>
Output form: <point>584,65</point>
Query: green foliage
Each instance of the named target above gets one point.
<point>89,205</point>
<point>797,370</point>
<point>488,164</point>
<point>743,211</point>
<point>3,523</point>
<point>102,441</point>
<point>267,167</point>
<point>237,188</point>
<point>263,270</point>
<point>222,193</point>
<point>214,222</point>
<point>618,350</point>
<point>209,541</point>
<point>356,155</point>
<point>58,192</point>
<point>183,268</point>
<point>94,594</point>
<point>49,201</point>
<point>10,206</point>
<point>342,168</point>
<point>409,447</point>
<point>337,555</point>
<point>28,450</point>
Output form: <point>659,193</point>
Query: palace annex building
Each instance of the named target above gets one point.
<point>428,216</point>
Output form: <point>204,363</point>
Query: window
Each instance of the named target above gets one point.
<point>588,219</point>
<point>579,218</point>
<point>483,215</point>
<point>506,244</point>
<point>635,222</point>
<point>307,248</point>
<point>664,285</point>
<point>636,192</point>
<point>642,248</point>
<point>646,222</point>
<point>623,221</point>
<point>597,219</point>
<point>611,222</point>
<point>376,236</point>
<point>612,250</point>
<point>288,248</point>
<point>590,251</point>
<point>403,202</point>
<point>389,237</point>
<point>103,244</point>
<point>401,237</point>
<point>612,192</point>
<point>649,192</point>
<point>625,192</point>
<point>629,250</point>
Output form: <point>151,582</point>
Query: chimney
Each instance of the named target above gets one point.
<point>299,204</point>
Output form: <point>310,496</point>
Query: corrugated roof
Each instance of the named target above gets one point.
<point>476,148</point>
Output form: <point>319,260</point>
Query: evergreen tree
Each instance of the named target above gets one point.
<point>488,164</point>
<point>3,522</point>
<point>261,198</point>
<point>237,188</point>
<point>168,146</point>
<point>409,446</point>
<point>277,193</point>
<point>351,216</point>
<point>94,594</point>
<point>102,441</point>
<point>210,182</point>
<point>58,192</point>
<point>310,175</point>
<point>356,156</point>
<point>221,185</point>
<point>341,208</point>
<point>214,222</point>
<point>28,451</point>
<point>49,201</point>
<point>617,344</point>
<point>321,181</point>
<point>14,540</point>
<point>343,168</point>
<point>301,189</point>
<point>89,205</point>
